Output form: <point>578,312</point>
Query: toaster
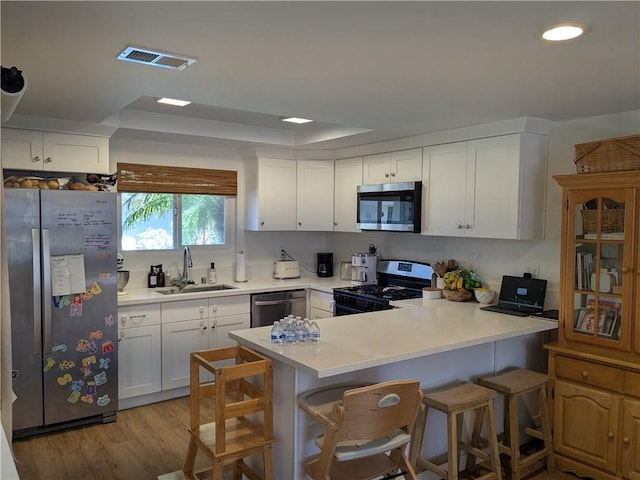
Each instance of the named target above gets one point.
<point>286,269</point>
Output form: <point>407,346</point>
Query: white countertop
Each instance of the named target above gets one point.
<point>355,342</point>
<point>141,296</point>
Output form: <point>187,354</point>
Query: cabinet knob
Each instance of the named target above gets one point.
<point>201,309</point>
<point>36,158</point>
<point>386,175</point>
<point>335,224</point>
<point>393,174</point>
<point>214,308</point>
<point>585,374</point>
<point>123,319</point>
<point>460,227</point>
<point>610,435</point>
<point>48,160</point>
<point>626,442</point>
<point>626,269</point>
<point>261,223</point>
<point>299,224</point>
<point>467,227</point>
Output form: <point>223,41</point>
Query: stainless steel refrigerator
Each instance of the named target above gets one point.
<point>62,249</point>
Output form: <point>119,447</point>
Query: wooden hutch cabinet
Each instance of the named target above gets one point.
<point>595,365</point>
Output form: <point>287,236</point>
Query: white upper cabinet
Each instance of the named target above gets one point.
<point>270,194</point>
<point>348,175</point>
<point>315,195</point>
<point>393,167</point>
<point>488,188</point>
<point>56,152</point>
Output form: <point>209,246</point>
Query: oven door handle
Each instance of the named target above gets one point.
<point>345,310</point>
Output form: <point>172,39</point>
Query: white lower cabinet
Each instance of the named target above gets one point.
<point>140,350</point>
<point>321,305</point>
<point>193,325</point>
<point>179,339</point>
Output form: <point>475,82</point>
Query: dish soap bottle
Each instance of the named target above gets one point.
<point>152,280</point>
<point>161,277</point>
<point>212,273</point>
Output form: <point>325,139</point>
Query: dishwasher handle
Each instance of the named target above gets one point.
<point>277,302</point>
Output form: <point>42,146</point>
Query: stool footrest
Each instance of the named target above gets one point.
<point>534,457</point>
<point>475,451</point>
<point>425,464</point>
<point>532,432</point>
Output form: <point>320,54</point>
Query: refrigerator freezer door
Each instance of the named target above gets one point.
<point>79,305</point>
<point>22,214</point>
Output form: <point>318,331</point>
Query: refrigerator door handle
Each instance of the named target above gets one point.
<point>46,289</point>
<point>37,333</point>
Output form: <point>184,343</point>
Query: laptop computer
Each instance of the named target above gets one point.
<point>520,296</point>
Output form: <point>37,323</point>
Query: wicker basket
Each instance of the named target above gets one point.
<point>612,220</point>
<point>457,295</point>
<point>610,155</point>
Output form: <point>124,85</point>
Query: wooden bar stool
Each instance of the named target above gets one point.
<point>242,424</point>
<point>513,384</point>
<point>454,402</point>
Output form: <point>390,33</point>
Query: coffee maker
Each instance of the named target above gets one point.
<point>325,264</point>
<point>366,266</point>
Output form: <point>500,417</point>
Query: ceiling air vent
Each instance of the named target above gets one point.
<point>155,58</point>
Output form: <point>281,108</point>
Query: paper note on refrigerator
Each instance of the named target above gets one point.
<point>67,274</point>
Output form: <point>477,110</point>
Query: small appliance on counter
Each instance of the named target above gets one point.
<point>325,264</point>
<point>366,265</point>
<point>123,275</point>
<point>284,269</point>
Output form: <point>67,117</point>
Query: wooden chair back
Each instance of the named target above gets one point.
<point>375,411</point>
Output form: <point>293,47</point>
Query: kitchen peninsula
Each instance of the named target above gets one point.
<point>435,341</point>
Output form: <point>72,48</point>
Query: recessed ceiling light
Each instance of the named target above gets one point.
<point>559,33</point>
<point>173,101</point>
<point>296,120</point>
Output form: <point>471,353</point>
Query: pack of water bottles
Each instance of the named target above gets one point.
<point>295,330</point>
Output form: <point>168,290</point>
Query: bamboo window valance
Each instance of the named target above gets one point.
<point>133,177</point>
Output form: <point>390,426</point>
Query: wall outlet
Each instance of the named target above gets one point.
<point>534,271</point>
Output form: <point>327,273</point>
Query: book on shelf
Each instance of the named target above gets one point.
<point>608,318</point>
<point>605,236</point>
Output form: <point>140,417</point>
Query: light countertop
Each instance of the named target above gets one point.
<point>141,296</point>
<point>355,342</point>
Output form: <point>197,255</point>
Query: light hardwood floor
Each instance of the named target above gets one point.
<point>143,443</point>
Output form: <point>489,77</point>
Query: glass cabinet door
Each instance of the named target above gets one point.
<point>596,236</point>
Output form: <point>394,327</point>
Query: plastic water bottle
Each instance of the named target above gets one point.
<point>277,335</point>
<point>314,332</point>
<point>289,331</point>
<point>301,332</point>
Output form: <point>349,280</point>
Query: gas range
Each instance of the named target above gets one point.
<point>397,280</point>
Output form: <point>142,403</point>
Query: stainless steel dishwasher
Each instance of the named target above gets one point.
<point>266,308</point>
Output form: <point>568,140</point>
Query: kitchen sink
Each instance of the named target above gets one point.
<point>195,289</point>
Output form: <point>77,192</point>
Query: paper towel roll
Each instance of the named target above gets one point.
<point>241,267</point>
<point>15,83</point>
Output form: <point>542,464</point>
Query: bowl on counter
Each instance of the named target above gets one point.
<point>123,279</point>
<point>484,296</point>
<point>457,295</point>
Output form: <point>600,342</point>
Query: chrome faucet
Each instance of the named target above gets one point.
<point>184,280</point>
<point>186,263</point>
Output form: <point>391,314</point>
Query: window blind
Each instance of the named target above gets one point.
<point>133,177</point>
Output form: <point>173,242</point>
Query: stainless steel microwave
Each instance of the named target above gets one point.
<point>395,207</point>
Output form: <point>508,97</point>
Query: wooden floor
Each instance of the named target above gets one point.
<point>142,444</point>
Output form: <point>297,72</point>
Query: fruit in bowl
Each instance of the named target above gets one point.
<point>454,289</point>
<point>484,295</point>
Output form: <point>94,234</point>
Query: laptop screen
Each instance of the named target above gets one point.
<point>524,294</point>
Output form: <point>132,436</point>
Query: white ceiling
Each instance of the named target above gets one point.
<point>365,71</point>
